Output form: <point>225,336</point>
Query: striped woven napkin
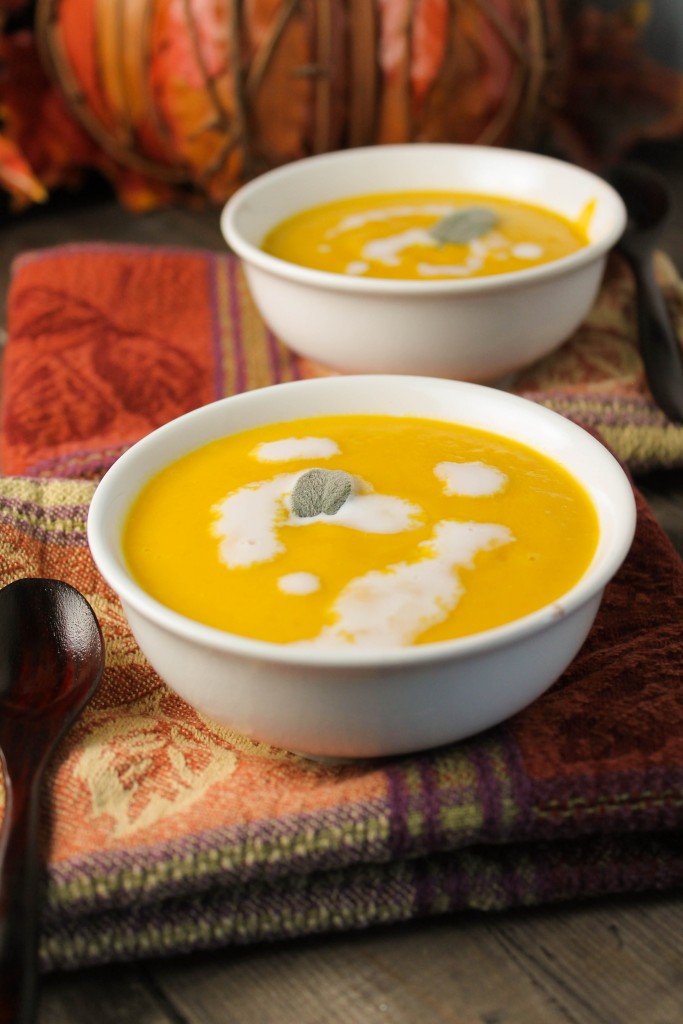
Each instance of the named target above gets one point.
<point>166,833</point>
<point>107,342</point>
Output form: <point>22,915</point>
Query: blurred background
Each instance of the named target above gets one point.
<point>175,102</point>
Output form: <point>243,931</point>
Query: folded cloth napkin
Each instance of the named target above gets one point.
<point>166,833</point>
<point>107,342</point>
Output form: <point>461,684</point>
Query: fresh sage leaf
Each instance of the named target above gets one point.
<point>321,491</point>
<point>462,226</point>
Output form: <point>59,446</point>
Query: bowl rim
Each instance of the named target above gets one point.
<point>111,565</point>
<point>254,257</point>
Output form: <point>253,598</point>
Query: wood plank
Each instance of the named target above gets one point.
<point>109,995</point>
<point>611,962</point>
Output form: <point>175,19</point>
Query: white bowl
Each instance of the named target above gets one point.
<point>477,329</point>
<point>365,703</point>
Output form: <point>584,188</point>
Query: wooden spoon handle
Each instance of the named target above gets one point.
<point>20,896</point>
<point>659,347</point>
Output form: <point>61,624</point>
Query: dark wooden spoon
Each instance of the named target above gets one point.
<point>648,204</point>
<point>51,661</point>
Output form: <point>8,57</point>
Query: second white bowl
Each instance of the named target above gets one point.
<point>477,329</point>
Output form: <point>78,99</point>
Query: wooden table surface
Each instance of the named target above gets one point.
<point>613,961</point>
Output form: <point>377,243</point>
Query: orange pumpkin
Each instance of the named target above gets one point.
<point>189,98</point>
<point>204,94</point>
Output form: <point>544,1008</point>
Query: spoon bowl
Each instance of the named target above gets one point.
<point>51,662</point>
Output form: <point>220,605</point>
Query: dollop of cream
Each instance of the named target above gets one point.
<point>470,479</point>
<point>245,522</point>
<point>290,448</point>
<point>466,269</point>
<point>527,251</point>
<point>299,583</point>
<point>354,221</point>
<point>387,250</point>
<point>356,267</point>
<point>393,606</point>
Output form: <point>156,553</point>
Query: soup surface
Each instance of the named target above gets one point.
<point>440,531</point>
<point>426,236</point>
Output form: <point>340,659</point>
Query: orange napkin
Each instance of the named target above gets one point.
<point>107,342</point>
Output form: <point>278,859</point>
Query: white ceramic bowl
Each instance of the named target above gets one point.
<point>361,703</point>
<point>478,329</point>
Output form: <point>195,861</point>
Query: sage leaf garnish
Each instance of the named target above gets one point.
<point>321,491</point>
<point>464,225</point>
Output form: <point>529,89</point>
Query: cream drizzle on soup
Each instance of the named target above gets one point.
<point>391,235</point>
<point>446,531</point>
